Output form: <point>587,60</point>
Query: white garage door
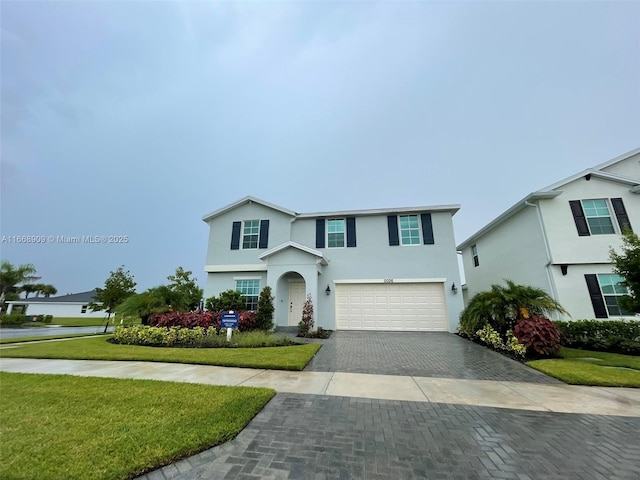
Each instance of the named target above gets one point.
<point>391,306</point>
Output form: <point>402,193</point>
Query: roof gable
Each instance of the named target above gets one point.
<point>294,245</point>
<point>243,201</point>
<point>554,190</point>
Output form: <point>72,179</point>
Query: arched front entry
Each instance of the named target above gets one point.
<point>291,294</point>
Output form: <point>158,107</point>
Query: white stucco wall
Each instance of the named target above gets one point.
<point>514,250</point>
<point>566,245</point>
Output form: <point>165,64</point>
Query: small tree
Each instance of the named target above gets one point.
<point>627,265</point>
<point>264,316</point>
<point>185,292</point>
<point>228,300</point>
<point>306,324</point>
<point>117,288</point>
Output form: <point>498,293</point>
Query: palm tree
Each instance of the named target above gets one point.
<point>502,306</point>
<point>47,290</point>
<point>11,277</point>
<point>28,288</point>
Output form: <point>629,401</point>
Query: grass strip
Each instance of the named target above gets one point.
<point>62,427</point>
<point>277,358</point>
<point>577,367</point>
<point>48,337</point>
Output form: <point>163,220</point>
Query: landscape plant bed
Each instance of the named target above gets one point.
<point>196,337</point>
<point>294,357</point>
<point>319,333</point>
<point>62,427</point>
<point>586,367</point>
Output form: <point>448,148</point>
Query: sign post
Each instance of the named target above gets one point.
<point>229,321</point>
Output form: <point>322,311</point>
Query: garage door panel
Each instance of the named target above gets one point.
<point>392,307</point>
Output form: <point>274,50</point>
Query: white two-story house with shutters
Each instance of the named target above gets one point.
<point>389,269</point>
<point>559,238</point>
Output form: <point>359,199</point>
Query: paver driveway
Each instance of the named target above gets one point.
<point>321,437</point>
<point>419,354</point>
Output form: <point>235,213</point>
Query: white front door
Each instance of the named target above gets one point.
<point>297,291</point>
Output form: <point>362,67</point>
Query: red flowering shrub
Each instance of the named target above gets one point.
<point>185,319</point>
<point>540,335</point>
<point>246,320</point>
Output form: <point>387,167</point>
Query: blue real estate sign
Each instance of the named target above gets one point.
<point>229,320</point>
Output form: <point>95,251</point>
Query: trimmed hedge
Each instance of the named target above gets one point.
<point>195,337</point>
<point>13,319</point>
<point>616,336</point>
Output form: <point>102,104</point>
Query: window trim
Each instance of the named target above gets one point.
<point>243,235</point>
<point>607,203</point>
<point>417,228</point>
<point>474,255</point>
<point>344,232</point>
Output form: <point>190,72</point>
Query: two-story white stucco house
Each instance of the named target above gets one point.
<point>386,269</point>
<point>558,239</point>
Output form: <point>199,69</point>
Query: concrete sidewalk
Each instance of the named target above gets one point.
<point>501,394</point>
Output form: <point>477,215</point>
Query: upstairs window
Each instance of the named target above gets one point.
<point>409,230</point>
<point>335,233</point>
<point>250,290</point>
<point>250,233</point>
<point>598,217</point>
<point>474,254</point>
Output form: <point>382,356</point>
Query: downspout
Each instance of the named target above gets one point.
<point>552,285</point>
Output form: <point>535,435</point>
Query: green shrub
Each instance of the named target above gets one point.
<point>264,316</point>
<point>228,300</point>
<point>13,319</point>
<point>491,338</point>
<point>196,337</point>
<point>616,336</point>
<point>539,335</point>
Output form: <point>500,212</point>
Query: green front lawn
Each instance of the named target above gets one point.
<point>47,337</point>
<point>277,358</point>
<point>586,367</point>
<point>62,427</point>
<point>91,322</point>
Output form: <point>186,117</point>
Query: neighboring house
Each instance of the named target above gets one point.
<point>73,305</point>
<point>558,239</point>
<point>386,269</point>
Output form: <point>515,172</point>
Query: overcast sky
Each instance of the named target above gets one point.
<point>137,118</point>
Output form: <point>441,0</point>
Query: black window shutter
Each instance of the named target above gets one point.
<point>235,235</point>
<point>621,214</point>
<point>319,232</point>
<point>263,240</point>
<point>427,229</point>
<point>392,222</point>
<point>351,231</point>
<point>599,308</point>
<point>579,218</point>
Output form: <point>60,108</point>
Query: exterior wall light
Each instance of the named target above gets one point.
<point>328,290</point>
<point>454,289</point>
